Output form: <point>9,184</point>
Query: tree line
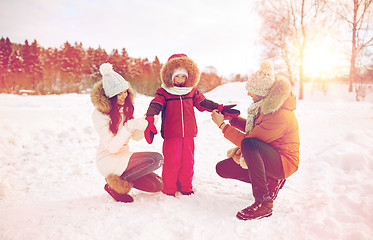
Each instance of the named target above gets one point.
<point>73,69</point>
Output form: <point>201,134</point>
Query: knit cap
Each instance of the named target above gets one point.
<point>112,82</point>
<point>177,55</point>
<point>261,82</point>
<point>179,71</point>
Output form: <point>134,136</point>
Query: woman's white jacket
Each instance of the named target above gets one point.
<point>113,151</point>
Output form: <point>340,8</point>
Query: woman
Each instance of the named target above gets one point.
<point>115,125</point>
<point>267,141</point>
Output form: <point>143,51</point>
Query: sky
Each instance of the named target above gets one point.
<point>215,33</point>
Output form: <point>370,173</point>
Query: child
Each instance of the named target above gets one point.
<point>176,99</point>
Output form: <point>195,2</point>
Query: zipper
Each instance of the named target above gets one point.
<point>182,115</point>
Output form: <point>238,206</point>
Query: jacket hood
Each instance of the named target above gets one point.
<point>180,62</point>
<point>279,96</point>
<point>101,102</point>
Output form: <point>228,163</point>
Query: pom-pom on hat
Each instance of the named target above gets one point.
<point>260,82</point>
<point>179,71</point>
<point>112,82</point>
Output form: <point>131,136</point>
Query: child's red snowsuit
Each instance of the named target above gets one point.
<point>179,128</point>
<point>179,125</point>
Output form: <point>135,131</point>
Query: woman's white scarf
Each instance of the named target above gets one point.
<point>177,90</point>
<point>251,113</point>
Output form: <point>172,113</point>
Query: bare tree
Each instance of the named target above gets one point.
<point>276,35</point>
<point>358,15</point>
<point>288,25</point>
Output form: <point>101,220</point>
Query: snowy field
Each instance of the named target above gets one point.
<point>50,187</point>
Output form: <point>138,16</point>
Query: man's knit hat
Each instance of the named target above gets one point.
<point>260,82</point>
<point>112,82</point>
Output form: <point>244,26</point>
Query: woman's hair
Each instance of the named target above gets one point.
<point>115,116</point>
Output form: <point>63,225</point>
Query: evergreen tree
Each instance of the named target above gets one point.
<point>71,58</point>
<point>125,64</point>
<point>51,71</point>
<point>96,57</point>
<point>115,59</point>
<point>15,67</point>
<point>80,80</point>
<point>26,61</point>
<point>36,67</point>
<point>137,73</point>
<point>5,52</point>
<point>155,78</point>
<point>91,68</point>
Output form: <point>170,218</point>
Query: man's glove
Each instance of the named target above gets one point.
<point>150,130</point>
<point>228,111</point>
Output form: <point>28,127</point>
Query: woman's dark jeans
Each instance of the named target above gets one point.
<point>261,159</point>
<point>140,171</point>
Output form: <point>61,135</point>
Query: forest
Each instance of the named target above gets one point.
<point>31,69</point>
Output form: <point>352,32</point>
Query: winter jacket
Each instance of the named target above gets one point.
<point>177,103</point>
<point>275,124</point>
<point>113,151</point>
<point>178,118</point>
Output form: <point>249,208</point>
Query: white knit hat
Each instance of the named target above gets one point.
<point>260,82</point>
<point>112,82</point>
<point>179,71</point>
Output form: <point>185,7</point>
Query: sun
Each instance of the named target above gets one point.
<point>321,59</point>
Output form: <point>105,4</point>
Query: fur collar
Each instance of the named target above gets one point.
<point>277,96</point>
<point>101,102</point>
<point>184,62</point>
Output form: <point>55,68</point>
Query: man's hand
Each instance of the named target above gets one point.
<point>217,117</point>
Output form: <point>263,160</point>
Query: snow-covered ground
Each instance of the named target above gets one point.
<point>50,187</point>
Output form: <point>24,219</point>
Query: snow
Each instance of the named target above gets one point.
<point>50,187</point>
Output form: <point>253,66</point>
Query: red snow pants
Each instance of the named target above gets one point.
<point>178,164</point>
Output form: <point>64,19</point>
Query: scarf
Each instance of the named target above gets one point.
<point>251,114</point>
<point>177,90</point>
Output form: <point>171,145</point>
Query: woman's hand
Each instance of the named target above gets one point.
<point>136,124</point>
<point>217,117</point>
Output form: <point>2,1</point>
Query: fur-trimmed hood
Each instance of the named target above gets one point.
<point>101,102</point>
<point>180,62</point>
<point>278,97</point>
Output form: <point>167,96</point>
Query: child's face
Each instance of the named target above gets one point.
<point>121,97</point>
<point>180,79</point>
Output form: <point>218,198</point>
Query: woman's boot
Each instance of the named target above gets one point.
<point>118,188</point>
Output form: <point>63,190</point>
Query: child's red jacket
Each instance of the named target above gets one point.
<point>178,118</point>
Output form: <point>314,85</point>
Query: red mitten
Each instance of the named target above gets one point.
<point>227,110</point>
<point>150,130</point>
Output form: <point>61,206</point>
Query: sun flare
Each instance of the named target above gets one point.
<point>321,60</point>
